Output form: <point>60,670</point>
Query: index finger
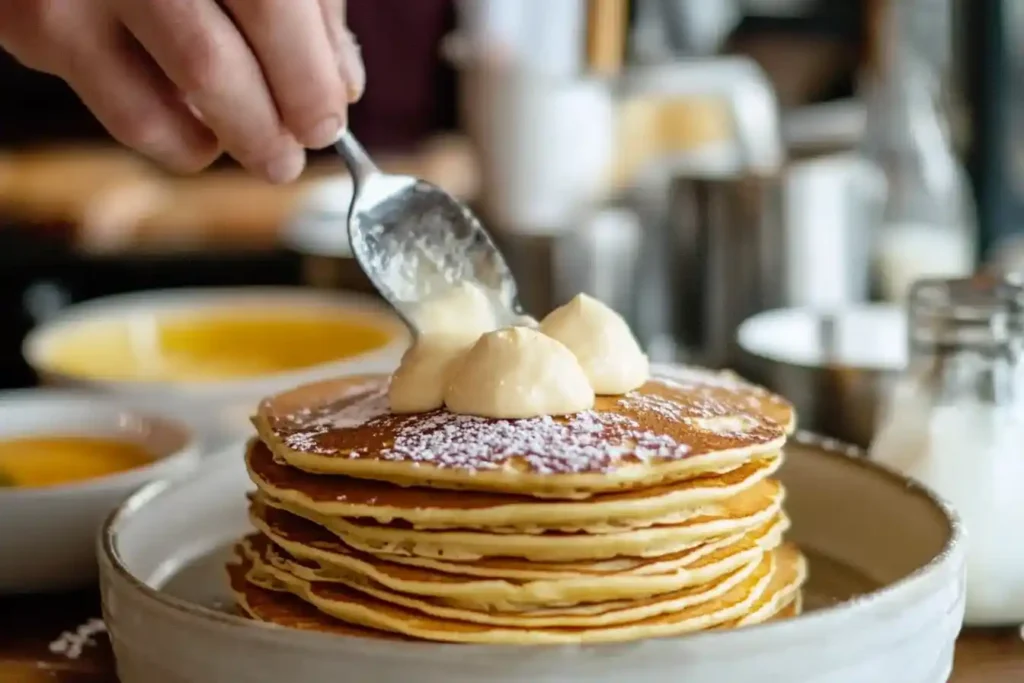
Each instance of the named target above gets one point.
<point>204,54</point>
<point>291,42</point>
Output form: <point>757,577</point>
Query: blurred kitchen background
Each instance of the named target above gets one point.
<point>693,163</point>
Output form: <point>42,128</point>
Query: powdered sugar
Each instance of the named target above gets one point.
<point>72,644</point>
<point>585,442</point>
<point>654,404</point>
<point>690,377</point>
<point>727,425</point>
<point>364,409</point>
<point>705,384</point>
<point>704,404</point>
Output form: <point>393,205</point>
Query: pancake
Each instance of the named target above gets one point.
<point>748,510</point>
<point>272,603</point>
<point>423,508</point>
<point>358,608</point>
<point>263,599</point>
<point>310,560</point>
<point>782,597</point>
<point>273,560</point>
<point>665,431</point>
<point>310,541</point>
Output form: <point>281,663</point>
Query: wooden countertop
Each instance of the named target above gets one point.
<point>982,656</point>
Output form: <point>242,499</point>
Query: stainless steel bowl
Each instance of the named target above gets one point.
<point>837,367</point>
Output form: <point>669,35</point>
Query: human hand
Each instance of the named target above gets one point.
<point>182,80</point>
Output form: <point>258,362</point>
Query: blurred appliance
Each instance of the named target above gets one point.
<point>696,159</point>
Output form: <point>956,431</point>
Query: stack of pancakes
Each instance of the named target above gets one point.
<point>653,514</point>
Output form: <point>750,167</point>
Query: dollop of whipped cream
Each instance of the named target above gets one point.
<point>556,367</point>
<point>419,383</point>
<point>602,343</point>
<point>449,323</point>
<point>462,309</point>
<point>518,372</point>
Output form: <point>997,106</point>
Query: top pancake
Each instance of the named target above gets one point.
<point>667,430</point>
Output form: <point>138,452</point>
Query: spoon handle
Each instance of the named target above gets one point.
<point>358,161</point>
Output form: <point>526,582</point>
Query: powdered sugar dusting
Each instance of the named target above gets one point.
<point>728,424</point>
<point>367,407</point>
<point>72,644</point>
<point>690,377</point>
<point>585,442</point>
<point>653,403</point>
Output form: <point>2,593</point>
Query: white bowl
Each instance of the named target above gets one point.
<point>47,538</point>
<point>220,408</point>
<point>162,557</point>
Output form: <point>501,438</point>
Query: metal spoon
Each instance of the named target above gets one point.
<point>414,240</point>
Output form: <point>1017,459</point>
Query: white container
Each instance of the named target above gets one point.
<point>546,143</point>
<point>219,409</point>
<point>47,538</point>
<point>861,517</point>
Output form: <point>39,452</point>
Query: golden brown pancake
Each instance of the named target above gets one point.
<point>278,564</point>
<point>264,599</point>
<point>743,512</point>
<point>782,597</point>
<point>700,566</point>
<point>666,431</point>
<point>361,609</point>
<point>312,542</point>
<point>424,508</point>
<point>272,603</point>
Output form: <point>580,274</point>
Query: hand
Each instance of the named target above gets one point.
<point>182,80</point>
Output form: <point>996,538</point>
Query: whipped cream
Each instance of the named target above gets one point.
<point>419,383</point>
<point>602,342</point>
<point>462,309</point>
<point>518,372</point>
<point>449,323</point>
<point>531,369</point>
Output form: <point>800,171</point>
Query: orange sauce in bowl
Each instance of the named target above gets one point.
<point>39,461</point>
<point>212,345</point>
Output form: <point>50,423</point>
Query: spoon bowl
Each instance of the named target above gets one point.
<point>414,240</point>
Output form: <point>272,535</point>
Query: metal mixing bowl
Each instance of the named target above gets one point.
<point>837,367</point>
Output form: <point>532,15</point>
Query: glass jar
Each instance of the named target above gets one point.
<point>918,197</point>
<point>956,423</point>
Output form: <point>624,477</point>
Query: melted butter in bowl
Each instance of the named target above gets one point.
<point>212,345</point>
<point>207,356</point>
<point>44,461</point>
<point>67,458</point>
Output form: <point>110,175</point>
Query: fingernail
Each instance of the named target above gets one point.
<point>350,62</point>
<point>323,134</point>
<point>286,167</point>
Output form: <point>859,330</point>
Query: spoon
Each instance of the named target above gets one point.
<point>414,240</point>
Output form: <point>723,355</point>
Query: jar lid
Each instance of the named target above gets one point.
<point>982,311</point>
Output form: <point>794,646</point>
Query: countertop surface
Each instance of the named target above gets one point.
<point>983,656</point>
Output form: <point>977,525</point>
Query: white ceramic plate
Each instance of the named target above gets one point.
<point>865,529</point>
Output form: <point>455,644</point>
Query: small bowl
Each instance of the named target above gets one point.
<point>164,594</point>
<point>48,538</point>
<point>219,409</point>
<point>837,367</point>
